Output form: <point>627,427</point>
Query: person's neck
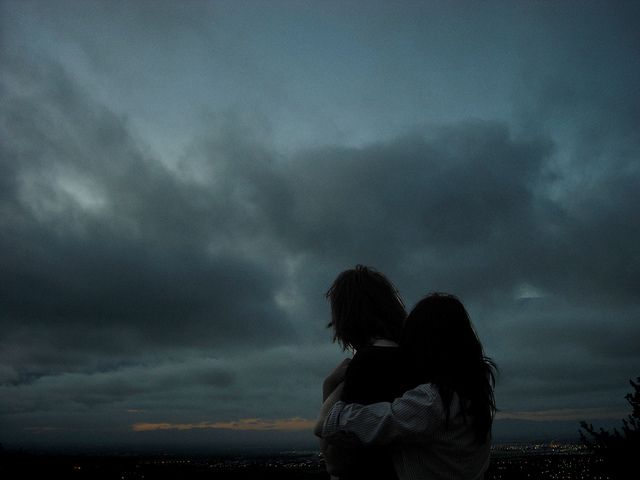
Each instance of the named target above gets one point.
<point>383,342</point>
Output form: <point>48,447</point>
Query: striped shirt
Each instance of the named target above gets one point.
<point>424,446</point>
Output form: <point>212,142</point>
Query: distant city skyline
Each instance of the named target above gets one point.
<point>512,461</point>
<point>180,183</point>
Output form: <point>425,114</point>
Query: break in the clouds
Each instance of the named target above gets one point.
<point>180,183</point>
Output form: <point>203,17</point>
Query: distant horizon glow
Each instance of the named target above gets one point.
<point>284,424</point>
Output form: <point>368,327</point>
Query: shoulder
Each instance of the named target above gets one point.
<point>375,358</point>
<point>421,407</point>
<point>374,353</point>
<point>426,391</point>
<point>372,376</point>
<point>362,361</point>
<point>422,400</point>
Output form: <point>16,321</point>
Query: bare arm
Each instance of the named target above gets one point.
<point>335,378</point>
<point>326,407</point>
<point>336,458</point>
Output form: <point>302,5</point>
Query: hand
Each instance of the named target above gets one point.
<point>334,378</point>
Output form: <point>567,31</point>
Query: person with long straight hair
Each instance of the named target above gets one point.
<point>441,428</point>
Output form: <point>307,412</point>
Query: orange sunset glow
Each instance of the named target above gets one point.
<point>244,424</point>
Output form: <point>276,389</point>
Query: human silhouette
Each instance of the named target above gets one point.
<point>440,429</point>
<point>367,316</point>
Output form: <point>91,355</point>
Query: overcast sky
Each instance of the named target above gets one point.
<point>180,182</point>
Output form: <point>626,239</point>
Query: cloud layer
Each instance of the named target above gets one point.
<point>177,280</point>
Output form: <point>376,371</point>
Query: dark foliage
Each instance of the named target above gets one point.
<point>617,448</point>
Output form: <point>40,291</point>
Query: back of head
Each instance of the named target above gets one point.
<point>364,305</point>
<point>444,349</point>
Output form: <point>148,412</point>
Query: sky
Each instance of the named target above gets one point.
<point>180,183</point>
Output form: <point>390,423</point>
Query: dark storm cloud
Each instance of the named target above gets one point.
<point>141,288</point>
<point>467,206</point>
<point>107,242</point>
<point>578,88</point>
<point>130,254</point>
<point>128,385</point>
<point>553,352</point>
<point>450,191</point>
<point>468,209</point>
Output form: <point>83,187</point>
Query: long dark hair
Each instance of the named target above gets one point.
<point>364,305</point>
<point>444,349</point>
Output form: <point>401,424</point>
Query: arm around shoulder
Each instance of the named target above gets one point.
<point>413,417</point>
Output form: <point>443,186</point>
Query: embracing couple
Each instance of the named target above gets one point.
<point>416,401</point>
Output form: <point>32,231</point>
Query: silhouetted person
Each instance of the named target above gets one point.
<point>367,316</point>
<point>442,427</point>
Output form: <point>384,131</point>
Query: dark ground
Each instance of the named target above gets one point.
<point>303,466</point>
